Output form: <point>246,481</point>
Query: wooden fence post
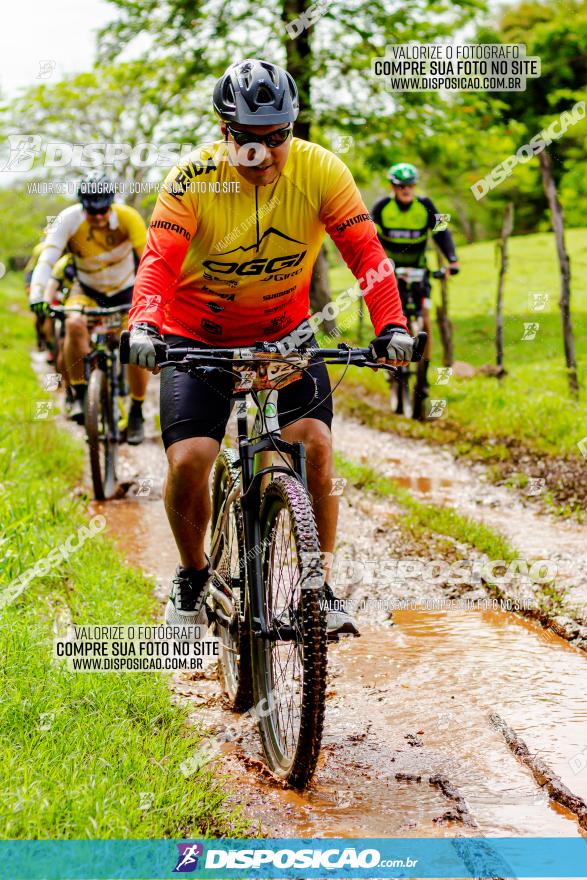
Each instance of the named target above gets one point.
<point>506,231</point>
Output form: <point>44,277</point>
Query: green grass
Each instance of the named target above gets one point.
<point>532,403</point>
<point>80,754</point>
<point>441,520</point>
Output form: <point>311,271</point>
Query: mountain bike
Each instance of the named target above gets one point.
<point>407,385</point>
<point>57,341</point>
<point>105,413</point>
<point>266,598</point>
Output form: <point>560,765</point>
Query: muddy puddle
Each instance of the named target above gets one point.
<point>406,703</point>
<point>437,476</point>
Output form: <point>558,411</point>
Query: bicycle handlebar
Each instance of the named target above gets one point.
<point>343,354</point>
<point>90,312</point>
<point>444,271</point>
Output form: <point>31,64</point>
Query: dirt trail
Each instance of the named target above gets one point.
<point>434,474</point>
<point>406,702</point>
<point>408,749</point>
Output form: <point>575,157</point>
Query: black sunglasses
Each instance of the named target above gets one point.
<point>271,140</point>
<point>96,210</point>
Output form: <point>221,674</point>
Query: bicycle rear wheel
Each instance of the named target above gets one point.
<point>228,564</point>
<point>99,423</point>
<point>289,667</point>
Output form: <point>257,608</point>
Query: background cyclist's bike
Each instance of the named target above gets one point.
<point>105,413</point>
<point>266,599</point>
<point>407,385</point>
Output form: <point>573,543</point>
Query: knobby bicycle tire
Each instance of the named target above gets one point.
<point>295,760</point>
<point>229,566</point>
<point>99,422</point>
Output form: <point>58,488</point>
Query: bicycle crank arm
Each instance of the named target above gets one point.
<point>225,602</point>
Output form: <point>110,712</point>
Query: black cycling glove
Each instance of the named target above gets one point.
<point>394,343</point>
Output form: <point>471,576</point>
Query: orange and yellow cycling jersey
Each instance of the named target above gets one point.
<point>104,258</point>
<point>230,263</point>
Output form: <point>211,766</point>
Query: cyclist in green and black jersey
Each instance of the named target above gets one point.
<point>404,221</point>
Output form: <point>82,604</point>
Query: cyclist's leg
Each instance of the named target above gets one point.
<point>425,307</point>
<point>427,327</point>
<point>187,503</point>
<point>317,440</point>
<point>138,378</point>
<point>137,381</point>
<point>76,345</point>
<point>187,496</point>
<point>421,391</point>
<point>305,414</point>
<point>194,414</point>
<point>48,334</point>
<point>77,337</point>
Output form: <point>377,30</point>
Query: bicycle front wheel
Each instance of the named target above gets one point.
<point>289,665</point>
<point>228,563</point>
<point>100,433</point>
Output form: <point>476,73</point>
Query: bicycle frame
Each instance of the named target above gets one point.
<point>265,437</point>
<point>250,490</point>
<point>104,353</point>
<point>104,356</point>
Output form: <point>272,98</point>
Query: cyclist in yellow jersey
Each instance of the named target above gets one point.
<point>106,241</point>
<point>57,290</point>
<point>41,323</point>
<point>32,262</point>
<point>229,258</point>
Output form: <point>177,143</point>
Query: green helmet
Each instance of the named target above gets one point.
<point>403,172</point>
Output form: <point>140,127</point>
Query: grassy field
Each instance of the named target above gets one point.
<point>532,403</point>
<point>82,755</point>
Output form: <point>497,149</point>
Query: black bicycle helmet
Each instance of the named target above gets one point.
<point>253,92</point>
<point>96,192</point>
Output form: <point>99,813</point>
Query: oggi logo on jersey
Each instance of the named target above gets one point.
<point>255,267</point>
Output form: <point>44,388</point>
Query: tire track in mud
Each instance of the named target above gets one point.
<point>435,475</point>
<point>408,702</point>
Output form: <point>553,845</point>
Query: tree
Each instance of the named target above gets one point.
<point>557,33</point>
<point>327,46</point>
<point>128,104</point>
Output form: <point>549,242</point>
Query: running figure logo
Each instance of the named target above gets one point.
<point>187,860</point>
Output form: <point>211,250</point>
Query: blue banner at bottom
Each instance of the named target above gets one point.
<point>453,858</point>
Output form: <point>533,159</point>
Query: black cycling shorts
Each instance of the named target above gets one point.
<point>419,293</point>
<point>106,301</point>
<point>193,407</point>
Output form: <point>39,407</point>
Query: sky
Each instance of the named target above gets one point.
<point>61,32</point>
<point>43,41</point>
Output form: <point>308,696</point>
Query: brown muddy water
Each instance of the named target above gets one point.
<point>406,703</point>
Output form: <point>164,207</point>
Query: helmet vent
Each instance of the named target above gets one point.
<point>264,96</point>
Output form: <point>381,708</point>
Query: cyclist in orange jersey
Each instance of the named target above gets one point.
<point>230,251</point>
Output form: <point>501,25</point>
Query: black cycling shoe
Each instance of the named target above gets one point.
<point>187,600</point>
<point>338,620</point>
<point>77,413</point>
<point>135,431</point>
